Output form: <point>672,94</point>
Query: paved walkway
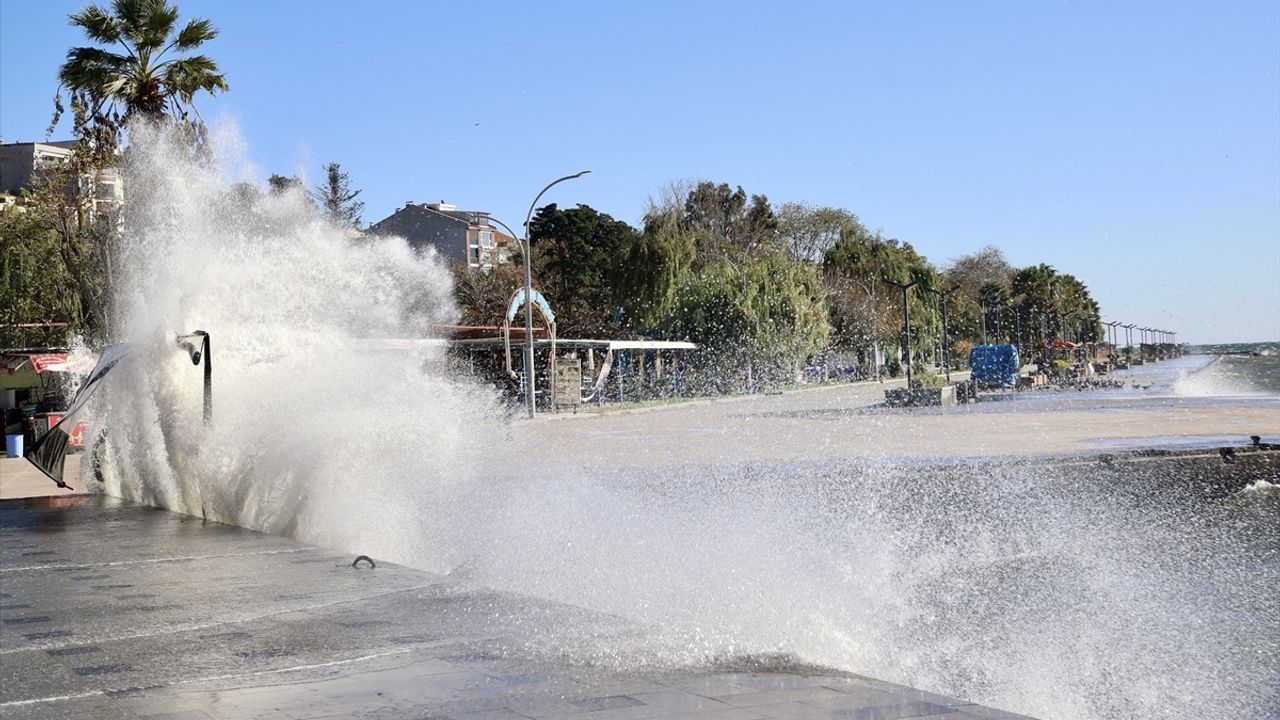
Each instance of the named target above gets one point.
<point>845,422</point>
<point>116,611</point>
<point>20,479</point>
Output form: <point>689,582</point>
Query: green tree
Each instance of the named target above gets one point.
<point>970,273</point>
<point>996,313</point>
<point>1054,305</point>
<point>708,267</point>
<point>336,198</point>
<point>53,249</point>
<point>577,253</point>
<point>726,222</point>
<point>808,232</point>
<point>771,313</point>
<point>482,297</point>
<point>864,309</point>
<point>1034,289</point>
<point>653,266</point>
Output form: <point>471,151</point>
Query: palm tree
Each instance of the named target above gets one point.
<point>150,78</point>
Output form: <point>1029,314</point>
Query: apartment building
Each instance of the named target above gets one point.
<point>462,236</point>
<point>21,165</point>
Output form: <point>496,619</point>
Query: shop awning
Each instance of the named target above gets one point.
<point>46,362</point>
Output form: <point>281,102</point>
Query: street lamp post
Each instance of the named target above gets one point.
<point>1111,332</point>
<point>198,346</point>
<point>528,294</point>
<point>1017,326</point>
<point>906,323</point>
<point>982,315</point>
<point>946,346</point>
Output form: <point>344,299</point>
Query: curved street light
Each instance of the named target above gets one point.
<point>906,321</point>
<point>1128,339</point>
<point>946,344</point>
<point>528,293</point>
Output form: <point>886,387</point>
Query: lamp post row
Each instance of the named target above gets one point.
<point>1145,334</point>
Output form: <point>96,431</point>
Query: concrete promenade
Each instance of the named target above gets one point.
<point>20,479</point>
<point>113,611</point>
<point>846,422</point>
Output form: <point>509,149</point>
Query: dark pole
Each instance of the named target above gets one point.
<point>982,314</point>
<point>208,379</point>
<point>1111,334</point>
<point>1017,328</point>
<point>201,350</point>
<point>946,345</point>
<point>906,324</point>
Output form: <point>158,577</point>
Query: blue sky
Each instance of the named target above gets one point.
<point>1135,145</point>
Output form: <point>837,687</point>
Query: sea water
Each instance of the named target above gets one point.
<point>1063,592</point>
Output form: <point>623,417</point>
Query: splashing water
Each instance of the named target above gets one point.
<point>1233,376</point>
<point>1065,592</point>
<point>312,433</point>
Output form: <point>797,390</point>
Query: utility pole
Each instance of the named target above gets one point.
<point>906,323</point>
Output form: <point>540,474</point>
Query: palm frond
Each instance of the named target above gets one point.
<point>130,14</point>
<point>89,70</point>
<point>146,23</point>
<point>196,33</point>
<point>198,72</point>
<point>159,25</point>
<point>98,24</point>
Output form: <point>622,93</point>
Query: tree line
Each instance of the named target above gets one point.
<point>775,289</point>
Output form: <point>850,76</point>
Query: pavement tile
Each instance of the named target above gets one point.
<point>611,702</point>
<point>772,697</point>
<point>96,708</point>
<point>718,684</point>
<point>488,715</point>
<point>726,714</point>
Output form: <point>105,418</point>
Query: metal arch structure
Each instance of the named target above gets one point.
<point>536,300</point>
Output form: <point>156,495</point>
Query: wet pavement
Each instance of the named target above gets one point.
<point>110,610</point>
